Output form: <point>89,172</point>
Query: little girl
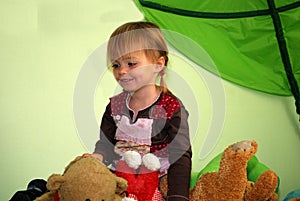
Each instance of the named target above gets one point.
<point>145,117</point>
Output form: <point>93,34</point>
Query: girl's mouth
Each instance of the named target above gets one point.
<point>125,80</point>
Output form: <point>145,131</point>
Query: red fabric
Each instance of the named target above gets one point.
<point>159,150</point>
<point>165,108</point>
<point>86,155</point>
<point>56,196</point>
<point>157,196</point>
<point>143,184</point>
<point>168,105</point>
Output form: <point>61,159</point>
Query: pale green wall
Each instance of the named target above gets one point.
<point>44,45</point>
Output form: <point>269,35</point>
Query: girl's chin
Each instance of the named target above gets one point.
<point>130,90</point>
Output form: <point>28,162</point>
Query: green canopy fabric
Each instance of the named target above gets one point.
<point>255,44</point>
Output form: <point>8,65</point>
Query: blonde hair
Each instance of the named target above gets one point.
<point>137,36</point>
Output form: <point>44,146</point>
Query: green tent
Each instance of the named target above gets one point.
<point>255,44</point>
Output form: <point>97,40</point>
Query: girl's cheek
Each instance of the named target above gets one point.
<point>115,73</point>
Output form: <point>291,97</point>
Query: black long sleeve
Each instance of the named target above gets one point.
<point>179,172</point>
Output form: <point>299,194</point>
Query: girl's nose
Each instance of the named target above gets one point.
<point>123,70</point>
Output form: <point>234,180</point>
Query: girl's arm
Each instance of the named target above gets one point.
<point>98,156</point>
<point>180,155</point>
<point>105,146</point>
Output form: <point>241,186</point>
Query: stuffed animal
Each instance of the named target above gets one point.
<point>293,196</point>
<point>230,181</point>
<point>85,179</point>
<point>141,172</point>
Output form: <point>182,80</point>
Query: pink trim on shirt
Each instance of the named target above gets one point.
<point>138,132</point>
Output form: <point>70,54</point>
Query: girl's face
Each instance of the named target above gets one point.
<point>135,71</point>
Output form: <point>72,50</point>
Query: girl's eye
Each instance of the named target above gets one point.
<point>130,64</point>
<point>115,65</point>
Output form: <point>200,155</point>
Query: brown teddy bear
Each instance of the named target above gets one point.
<point>85,179</point>
<point>230,181</point>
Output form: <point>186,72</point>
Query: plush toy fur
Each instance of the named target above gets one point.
<point>85,179</point>
<point>230,182</point>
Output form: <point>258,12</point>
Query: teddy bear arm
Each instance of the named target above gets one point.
<point>264,188</point>
<point>121,185</point>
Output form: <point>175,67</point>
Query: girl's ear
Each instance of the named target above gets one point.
<point>160,64</point>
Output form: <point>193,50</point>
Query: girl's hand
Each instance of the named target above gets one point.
<point>86,155</point>
<point>97,156</point>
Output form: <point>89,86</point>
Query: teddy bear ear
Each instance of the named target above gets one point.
<point>55,181</point>
<point>121,185</point>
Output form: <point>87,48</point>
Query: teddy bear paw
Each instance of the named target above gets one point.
<point>151,162</point>
<point>133,159</point>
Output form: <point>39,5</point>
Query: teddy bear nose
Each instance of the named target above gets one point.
<point>87,200</point>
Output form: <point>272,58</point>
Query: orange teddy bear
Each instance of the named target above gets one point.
<point>230,181</point>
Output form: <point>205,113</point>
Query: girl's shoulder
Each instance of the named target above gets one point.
<point>168,103</point>
<point>169,99</point>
